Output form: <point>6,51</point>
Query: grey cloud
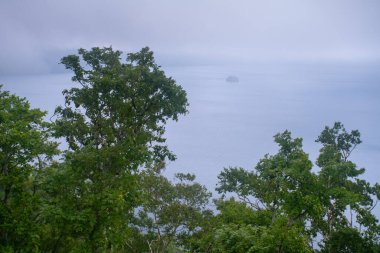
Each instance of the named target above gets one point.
<point>193,32</point>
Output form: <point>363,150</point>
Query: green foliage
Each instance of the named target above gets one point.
<point>280,191</point>
<point>296,204</point>
<point>342,191</point>
<point>236,212</point>
<point>170,213</point>
<point>25,150</point>
<point>349,240</point>
<point>114,124</point>
<point>252,238</point>
<point>120,106</point>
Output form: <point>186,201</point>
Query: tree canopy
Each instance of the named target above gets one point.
<point>114,124</point>
<point>297,205</point>
<point>106,191</point>
<point>25,150</point>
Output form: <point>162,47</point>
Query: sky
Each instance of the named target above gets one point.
<point>35,34</point>
<point>328,50</point>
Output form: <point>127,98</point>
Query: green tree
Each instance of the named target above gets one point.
<point>349,240</point>
<point>281,190</point>
<point>170,213</point>
<point>347,199</point>
<point>297,205</point>
<point>114,124</point>
<point>25,150</point>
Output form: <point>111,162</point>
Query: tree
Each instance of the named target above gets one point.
<point>114,124</point>
<point>170,213</point>
<point>281,190</point>
<point>119,105</point>
<point>296,205</point>
<point>25,150</point>
<point>343,192</point>
<point>348,240</point>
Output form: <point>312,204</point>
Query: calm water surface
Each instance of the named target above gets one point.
<point>232,124</point>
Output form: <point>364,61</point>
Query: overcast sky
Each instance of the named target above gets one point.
<point>36,34</point>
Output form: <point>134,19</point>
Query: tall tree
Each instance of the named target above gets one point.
<point>347,199</point>
<point>114,124</point>
<point>25,150</point>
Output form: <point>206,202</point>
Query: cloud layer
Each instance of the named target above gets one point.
<point>35,34</point>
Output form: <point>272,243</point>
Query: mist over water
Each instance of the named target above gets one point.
<point>232,124</point>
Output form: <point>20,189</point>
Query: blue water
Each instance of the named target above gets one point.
<point>232,124</point>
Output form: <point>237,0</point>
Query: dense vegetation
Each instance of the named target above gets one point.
<point>106,191</point>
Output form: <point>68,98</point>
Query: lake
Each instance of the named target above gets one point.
<point>232,124</point>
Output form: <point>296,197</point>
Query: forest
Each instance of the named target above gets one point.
<point>103,188</point>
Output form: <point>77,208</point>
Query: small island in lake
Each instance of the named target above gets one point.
<point>232,79</point>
